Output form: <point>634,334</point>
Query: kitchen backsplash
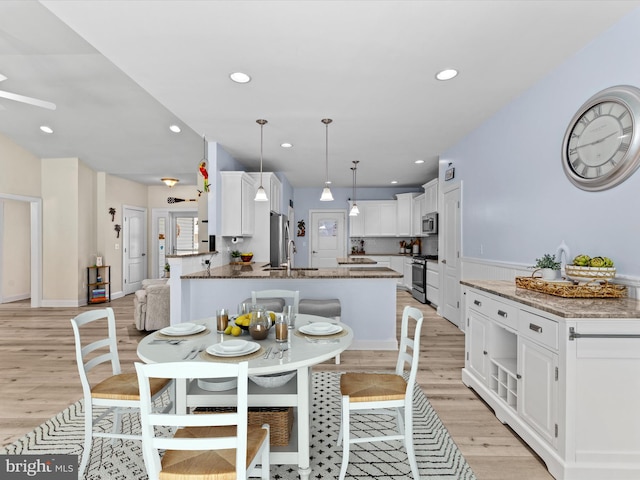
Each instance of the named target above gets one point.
<point>386,245</point>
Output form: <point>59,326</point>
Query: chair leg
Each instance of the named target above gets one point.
<point>88,438</point>
<point>408,441</point>
<point>344,436</point>
<point>265,468</point>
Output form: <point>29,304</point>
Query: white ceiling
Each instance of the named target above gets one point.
<point>120,72</point>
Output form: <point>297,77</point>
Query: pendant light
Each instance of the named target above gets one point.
<point>261,195</point>
<point>326,192</point>
<point>354,208</point>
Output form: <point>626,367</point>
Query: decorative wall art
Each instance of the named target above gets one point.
<point>301,228</point>
<point>112,212</point>
<point>117,228</point>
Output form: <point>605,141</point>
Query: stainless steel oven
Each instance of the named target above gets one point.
<point>419,278</point>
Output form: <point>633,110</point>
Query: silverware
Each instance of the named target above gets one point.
<point>321,340</point>
<point>198,351</point>
<point>171,342</point>
<point>268,352</point>
<point>194,350</point>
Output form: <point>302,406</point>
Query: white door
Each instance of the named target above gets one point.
<point>134,264</point>
<point>450,254</point>
<point>328,237</point>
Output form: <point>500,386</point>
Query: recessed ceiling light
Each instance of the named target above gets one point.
<point>394,182</point>
<point>419,161</point>
<point>286,145</point>
<point>46,129</point>
<point>174,128</point>
<point>446,74</point>
<point>240,77</point>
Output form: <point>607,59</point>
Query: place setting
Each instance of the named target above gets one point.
<point>320,332</point>
<point>233,351</point>
<point>180,330</point>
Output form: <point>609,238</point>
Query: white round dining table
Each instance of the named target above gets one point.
<point>302,352</point>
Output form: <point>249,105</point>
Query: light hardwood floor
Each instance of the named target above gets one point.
<point>39,378</point>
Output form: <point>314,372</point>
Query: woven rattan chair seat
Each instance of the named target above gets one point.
<point>208,464</point>
<point>124,387</point>
<point>372,387</point>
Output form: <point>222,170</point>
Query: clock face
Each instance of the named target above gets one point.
<point>601,146</point>
<point>599,139</point>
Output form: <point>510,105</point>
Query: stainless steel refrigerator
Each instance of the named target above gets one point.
<point>278,239</point>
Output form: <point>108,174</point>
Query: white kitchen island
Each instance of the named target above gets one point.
<point>367,295</point>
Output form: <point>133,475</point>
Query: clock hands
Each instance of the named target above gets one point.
<point>597,141</point>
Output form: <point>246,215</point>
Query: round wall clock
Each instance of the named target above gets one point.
<point>601,146</point>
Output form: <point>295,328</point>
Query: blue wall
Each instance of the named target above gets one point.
<point>517,202</point>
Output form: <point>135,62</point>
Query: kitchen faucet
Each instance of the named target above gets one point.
<point>290,243</point>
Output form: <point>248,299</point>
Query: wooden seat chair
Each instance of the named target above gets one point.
<point>119,392</point>
<point>202,446</point>
<point>292,295</point>
<point>362,392</point>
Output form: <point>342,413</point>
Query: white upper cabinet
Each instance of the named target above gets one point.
<point>418,210</point>
<point>275,199</point>
<point>238,191</point>
<point>404,212</point>
<point>431,196</point>
<point>379,218</point>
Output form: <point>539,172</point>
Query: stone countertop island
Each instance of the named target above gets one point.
<point>367,295</point>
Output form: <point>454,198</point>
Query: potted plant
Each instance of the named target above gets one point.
<point>548,266</point>
<point>235,255</point>
<point>167,270</point>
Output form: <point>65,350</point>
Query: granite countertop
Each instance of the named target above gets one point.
<point>356,261</point>
<point>262,270</point>
<point>191,254</point>
<point>560,306</point>
<point>395,254</point>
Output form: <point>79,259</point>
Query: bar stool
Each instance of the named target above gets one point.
<point>329,308</point>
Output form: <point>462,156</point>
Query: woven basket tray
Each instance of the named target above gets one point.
<point>570,290</point>
<point>280,420</point>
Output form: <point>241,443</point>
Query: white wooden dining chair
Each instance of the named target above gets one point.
<point>370,392</point>
<point>201,446</point>
<point>119,392</point>
<point>292,295</point>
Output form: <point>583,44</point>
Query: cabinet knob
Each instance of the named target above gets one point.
<point>502,313</point>
<point>484,352</point>
<point>444,261</point>
<point>518,376</point>
<point>477,302</point>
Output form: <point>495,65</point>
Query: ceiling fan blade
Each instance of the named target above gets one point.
<point>31,101</point>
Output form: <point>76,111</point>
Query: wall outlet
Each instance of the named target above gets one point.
<point>117,246</point>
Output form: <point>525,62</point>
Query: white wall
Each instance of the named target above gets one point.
<point>518,203</point>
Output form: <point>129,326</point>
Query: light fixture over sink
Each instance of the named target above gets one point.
<point>354,208</point>
<point>261,195</point>
<point>326,191</point>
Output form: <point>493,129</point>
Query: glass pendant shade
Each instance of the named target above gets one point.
<point>355,211</point>
<point>261,194</point>
<point>326,194</point>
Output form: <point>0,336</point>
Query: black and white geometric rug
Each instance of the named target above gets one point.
<point>437,455</point>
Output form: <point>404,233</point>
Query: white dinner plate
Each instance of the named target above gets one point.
<point>314,329</point>
<point>232,345</point>
<point>217,351</point>
<point>179,330</point>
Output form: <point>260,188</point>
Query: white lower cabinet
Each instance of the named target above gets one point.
<point>408,272</point>
<point>538,392</point>
<point>571,398</point>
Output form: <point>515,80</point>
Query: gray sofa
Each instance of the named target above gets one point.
<point>151,305</point>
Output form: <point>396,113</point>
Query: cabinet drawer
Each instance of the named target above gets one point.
<point>539,329</point>
<point>495,310</point>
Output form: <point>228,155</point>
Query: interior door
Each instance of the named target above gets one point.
<point>135,248</point>
<point>328,237</point>
<point>450,254</point>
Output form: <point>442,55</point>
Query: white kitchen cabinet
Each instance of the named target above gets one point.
<point>538,370</point>
<point>381,261</point>
<point>404,214</point>
<point>416,213</point>
<point>561,373</point>
<point>238,191</point>
<point>379,217</point>
<point>275,187</point>
<point>433,282</point>
<point>397,264</point>
<point>408,272</point>
<point>431,196</point>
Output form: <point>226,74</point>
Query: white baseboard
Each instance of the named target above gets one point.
<point>15,298</point>
<point>374,345</point>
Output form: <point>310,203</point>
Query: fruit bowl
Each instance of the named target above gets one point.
<point>246,257</point>
<point>589,274</point>
<point>274,380</point>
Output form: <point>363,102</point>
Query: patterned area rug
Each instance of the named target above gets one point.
<point>437,455</point>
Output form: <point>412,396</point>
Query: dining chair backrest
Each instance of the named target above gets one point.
<point>153,440</point>
<point>409,353</point>
<point>105,348</point>
<point>292,295</point>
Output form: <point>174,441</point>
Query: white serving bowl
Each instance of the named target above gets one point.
<point>272,381</point>
<point>589,274</point>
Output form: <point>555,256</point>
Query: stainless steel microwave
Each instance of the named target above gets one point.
<point>430,223</point>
